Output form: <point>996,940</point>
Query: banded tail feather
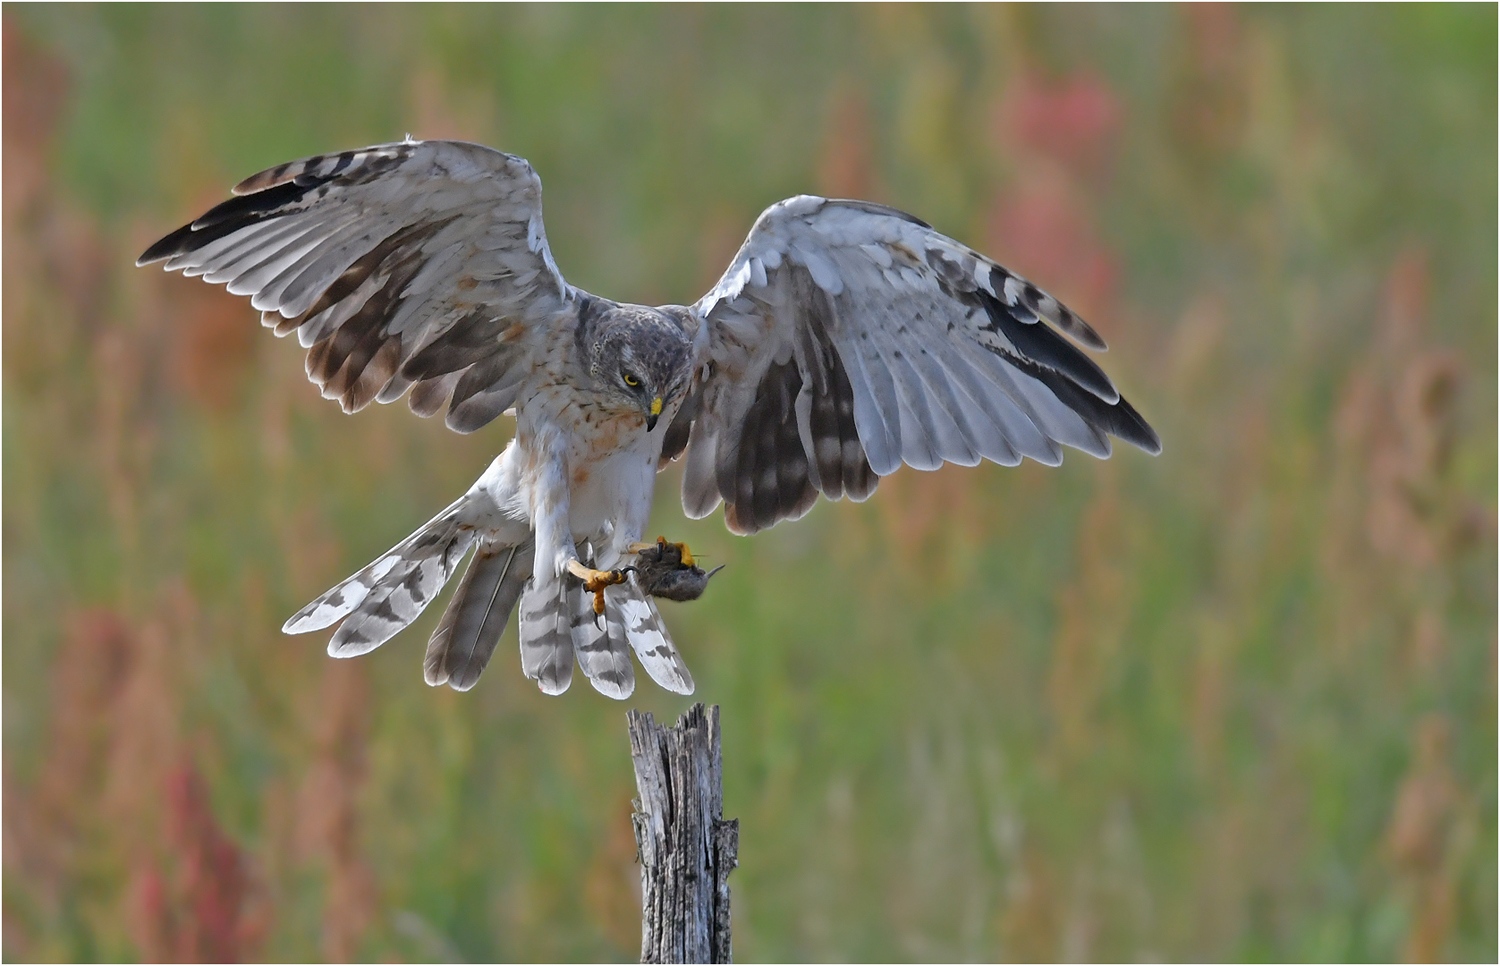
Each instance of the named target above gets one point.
<point>603,652</point>
<point>391,591</point>
<point>632,616</point>
<point>556,616</point>
<point>546,626</point>
<point>557,623</point>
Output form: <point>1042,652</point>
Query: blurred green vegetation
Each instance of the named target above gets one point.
<point>1234,703</point>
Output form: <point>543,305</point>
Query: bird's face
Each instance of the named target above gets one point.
<point>640,359</point>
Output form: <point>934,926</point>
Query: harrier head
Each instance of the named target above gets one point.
<point>639,357</point>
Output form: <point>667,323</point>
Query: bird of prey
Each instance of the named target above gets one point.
<point>845,339</point>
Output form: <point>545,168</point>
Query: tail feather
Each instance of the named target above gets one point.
<point>399,599</point>
<point>556,618</point>
<point>380,600</point>
<point>631,615</point>
<point>546,633</point>
<point>471,626</point>
<point>604,657</point>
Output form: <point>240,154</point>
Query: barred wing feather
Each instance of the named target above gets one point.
<point>847,338</point>
<point>417,265</point>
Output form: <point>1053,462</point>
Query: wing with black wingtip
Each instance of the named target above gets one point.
<point>847,338</point>
<point>418,265</point>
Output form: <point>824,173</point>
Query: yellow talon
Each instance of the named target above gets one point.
<point>594,581</point>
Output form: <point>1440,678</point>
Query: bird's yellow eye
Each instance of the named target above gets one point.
<point>631,381</point>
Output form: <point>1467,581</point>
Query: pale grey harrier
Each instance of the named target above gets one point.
<point>845,339</point>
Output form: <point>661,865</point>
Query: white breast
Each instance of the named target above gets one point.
<point>609,461</point>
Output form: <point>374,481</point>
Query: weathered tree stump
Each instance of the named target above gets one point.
<point>686,847</point>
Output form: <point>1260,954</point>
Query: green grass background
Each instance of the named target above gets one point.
<point>1233,703</point>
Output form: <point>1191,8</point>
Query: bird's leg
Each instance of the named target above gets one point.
<point>548,492</point>
<point>594,581</point>
<point>661,544</point>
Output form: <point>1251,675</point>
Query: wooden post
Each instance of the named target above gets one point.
<point>686,847</point>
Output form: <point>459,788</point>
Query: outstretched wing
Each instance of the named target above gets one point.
<point>420,264</point>
<point>847,338</point>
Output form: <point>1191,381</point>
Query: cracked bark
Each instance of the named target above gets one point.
<point>686,847</point>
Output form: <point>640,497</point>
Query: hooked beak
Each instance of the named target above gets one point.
<point>653,414</point>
